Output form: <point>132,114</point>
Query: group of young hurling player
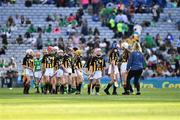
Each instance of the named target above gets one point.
<point>58,71</point>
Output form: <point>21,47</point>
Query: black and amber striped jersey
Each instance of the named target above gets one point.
<point>77,63</point>
<point>88,63</point>
<point>59,61</point>
<point>114,55</point>
<point>28,61</point>
<point>67,61</point>
<point>98,63</point>
<point>49,61</point>
<point>125,56</point>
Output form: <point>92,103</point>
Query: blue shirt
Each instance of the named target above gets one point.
<point>136,61</point>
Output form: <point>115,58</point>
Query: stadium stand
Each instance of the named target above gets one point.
<point>37,15</point>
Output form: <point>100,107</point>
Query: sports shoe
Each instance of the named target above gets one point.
<point>77,93</point>
<point>92,93</point>
<point>138,93</point>
<point>107,92</point>
<point>125,93</point>
<point>114,93</point>
<point>132,93</point>
<point>116,84</point>
<point>97,94</point>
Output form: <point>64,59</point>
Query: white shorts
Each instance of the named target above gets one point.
<point>123,67</point>
<point>97,75</point>
<point>49,72</point>
<point>79,72</point>
<point>28,72</point>
<point>38,74</point>
<point>68,71</point>
<point>59,73</point>
<point>110,71</point>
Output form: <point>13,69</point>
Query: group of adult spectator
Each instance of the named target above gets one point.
<point>162,56</point>
<point>8,72</point>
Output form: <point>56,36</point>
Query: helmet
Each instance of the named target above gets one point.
<point>29,51</point>
<point>60,51</point>
<point>45,51</point>
<point>50,48</point>
<point>125,45</point>
<point>98,51</point>
<point>55,48</point>
<point>78,52</point>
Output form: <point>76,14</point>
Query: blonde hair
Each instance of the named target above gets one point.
<point>137,47</point>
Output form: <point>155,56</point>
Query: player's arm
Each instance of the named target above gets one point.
<point>24,63</point>
<point>92,64</point>
<point>33,65</point>
<point>110,56</point>
<point>43,64</point>
<point>104,66</point>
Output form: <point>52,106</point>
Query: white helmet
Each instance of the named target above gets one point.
<point>55,48</point>
<point>60,51</point>
<point>29,51</point>
<point>125,45</point>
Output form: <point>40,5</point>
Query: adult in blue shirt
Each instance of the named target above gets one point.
<point>135,68</point>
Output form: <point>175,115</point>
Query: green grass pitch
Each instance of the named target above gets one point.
<point>153,104</point>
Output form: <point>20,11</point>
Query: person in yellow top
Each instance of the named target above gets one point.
<point>132,40</point>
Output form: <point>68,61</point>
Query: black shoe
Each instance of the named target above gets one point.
<point>125,93</point>
<point>24,91</point>
<point>138,93</point>
<point>53,91</point>
<point>78,93</point>
<point>45,91</point>
<point>42,90</point>
<point>107,92</point>
<point>114,93</point>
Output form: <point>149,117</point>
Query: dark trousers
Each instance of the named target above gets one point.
<point>95,8</point>
<point>136,74</point>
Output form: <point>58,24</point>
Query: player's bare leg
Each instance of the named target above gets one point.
<point>97,86</point>
<point>63,84</point>
<point>53,83</point>
<point>47,85</point>
<point>79,84</point>
<point>74,87</point>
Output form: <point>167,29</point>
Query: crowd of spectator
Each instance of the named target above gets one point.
<point>117,16</point>
<point>8,72</point>
<point>162,57</point>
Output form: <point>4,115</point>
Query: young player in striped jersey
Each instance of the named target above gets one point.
<point>98,66</point>
<point>67,62</point>
<point>78,71</point>
<point>28,65</point>
<point>60,72</point>
<point>124,59</point>
<point>90,78</point>
<point>48,64</point>
<point>113,71</point>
